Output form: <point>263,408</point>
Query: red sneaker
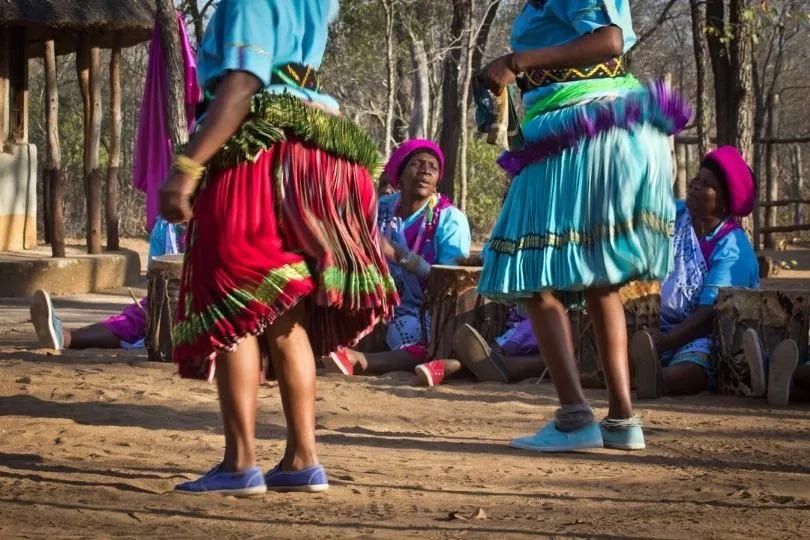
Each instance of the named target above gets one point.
<point>338,362</point>
<point>431,373</point>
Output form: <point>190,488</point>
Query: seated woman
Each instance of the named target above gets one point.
<point>711,251</point>
<point>126,330</point>
<point>419,228</point>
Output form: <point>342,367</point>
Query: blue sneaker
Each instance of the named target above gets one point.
<point>550,439</point>
<point>310,480</point>
<point>46,323</point>
<point>240,484</point>
<point>622,438</point>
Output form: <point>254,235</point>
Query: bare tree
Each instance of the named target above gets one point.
<point>170,39</point>
<point>703,120</point>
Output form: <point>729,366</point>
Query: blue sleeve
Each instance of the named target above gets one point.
<point>453,238</point>
<point>587,16</point>
<point>256,35</point>
<point>730,267</point>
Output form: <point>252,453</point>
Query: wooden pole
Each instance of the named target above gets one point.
<point>83,74</point>
<point>771,173</point>
<point>93,168</point>
<point>166,19</point>
<point>682,171</point>
<point>668,82</point>
<point>53,164</point>
<point>798,182</point>
<point>111,203</point>
<point>4,54</point>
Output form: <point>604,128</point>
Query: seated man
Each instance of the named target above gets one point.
<point>419,228</point>
<point>787,379</point>
<point>126,330</point>
<point>710,251</point>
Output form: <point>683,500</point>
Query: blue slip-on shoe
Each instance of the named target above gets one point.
<point>239,484</point>
<point>623,438</point>
<point>46,323</point>
<point>550,439</point>
<point>310,480</point>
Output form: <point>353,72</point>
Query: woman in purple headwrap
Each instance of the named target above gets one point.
<point>420,228</point>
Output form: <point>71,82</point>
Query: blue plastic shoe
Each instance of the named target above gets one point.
<point>550,439</point>
<point>623,438</point>
<point>310,480</point>
<point>46,323</point>
<point>240,484</point>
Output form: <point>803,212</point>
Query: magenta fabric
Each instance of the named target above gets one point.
<point>430,222</point>
<point>740,181</point>
<point>401,154</point>
<point>153,146</point>
<point>130,325</point>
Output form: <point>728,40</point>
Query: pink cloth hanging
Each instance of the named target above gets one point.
<point>153,146</point>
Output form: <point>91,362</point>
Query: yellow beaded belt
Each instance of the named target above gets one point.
<point>537,78</point>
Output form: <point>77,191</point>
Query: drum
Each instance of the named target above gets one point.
<point>775,315</point>
<point>451,300</point>
<point>163,292</point>
<point>642,305</point>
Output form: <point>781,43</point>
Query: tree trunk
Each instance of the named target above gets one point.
<point>166,19</point>
<point>742,60</point>
<point>772,172</point>
<point>451,107</point>
<point>721,68</point>
<point>53,163</point>
<point>93,165</point>
<point>462,118</point>
<point>702,120</point>
<point>798,181</point>
<point>391,76</point>
<point>403,82</point>
<point>482,39</point>
<point>418,128</point>
<point>111,206</point>
<point>682,174</point>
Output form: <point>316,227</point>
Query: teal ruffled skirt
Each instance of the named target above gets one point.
<point>591,201</point>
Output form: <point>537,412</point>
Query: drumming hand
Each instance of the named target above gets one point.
<point>175,198</point>
<point>498,74</point>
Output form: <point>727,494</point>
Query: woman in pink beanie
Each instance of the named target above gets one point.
<point>711,251</point>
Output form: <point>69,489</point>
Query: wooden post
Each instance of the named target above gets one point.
<point>798,181</point>
<point>772,172</point>
<point>668,82</point>
<point>53,163</point>
<point>4,53</point>
<point>682,171</point>
<point>111,206</point>
<point>94,175</point>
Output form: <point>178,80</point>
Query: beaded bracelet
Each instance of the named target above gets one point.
<point>188,167</point>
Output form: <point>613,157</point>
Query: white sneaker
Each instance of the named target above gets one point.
<point>784,359</point>
<point>752,348</point>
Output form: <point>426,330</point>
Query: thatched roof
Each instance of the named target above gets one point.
<point>62,20</point>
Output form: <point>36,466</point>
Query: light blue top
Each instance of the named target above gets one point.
<point>731,264</point>
<point>558,22</point>
<point>452,241</point>
<point>258,35</point>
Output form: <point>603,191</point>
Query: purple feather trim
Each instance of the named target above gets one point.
<point>656,104</point>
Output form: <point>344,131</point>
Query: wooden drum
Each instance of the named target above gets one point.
<point>163,292</point>
<point>451,300</point>
<point>775,315</point>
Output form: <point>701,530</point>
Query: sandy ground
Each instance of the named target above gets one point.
<point>92,443</point>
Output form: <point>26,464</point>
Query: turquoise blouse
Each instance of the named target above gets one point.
<point>258,35</point>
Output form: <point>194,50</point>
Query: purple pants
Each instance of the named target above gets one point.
<point>130,325</point>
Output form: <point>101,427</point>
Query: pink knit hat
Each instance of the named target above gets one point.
<point>400,156</point>
<point>738,177</point>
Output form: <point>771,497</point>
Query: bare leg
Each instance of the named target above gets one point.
<point>610,328</point>
<point>451,367</point>
<point>238,382</point>
<point>95,336</point>
<point>294,364</point>
<point>551,326</point>
<point>684,378</point>
<point>383,362</point>
<point>523,367</point>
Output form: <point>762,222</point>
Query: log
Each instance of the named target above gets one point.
<point>53,163</point>
<point>785,202</point>
<point>111,202</point>
<point>4,52</point>
<point>691,139</point>
<point>786,228</point>
<point>771,173</point>
<point>93,166</point>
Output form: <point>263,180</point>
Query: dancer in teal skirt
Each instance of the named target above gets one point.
<point>590,205</point>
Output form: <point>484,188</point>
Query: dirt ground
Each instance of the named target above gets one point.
<point>92,443</point>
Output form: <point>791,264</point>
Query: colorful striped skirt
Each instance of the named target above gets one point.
<point>295,224</point>
<point>590,203</point>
